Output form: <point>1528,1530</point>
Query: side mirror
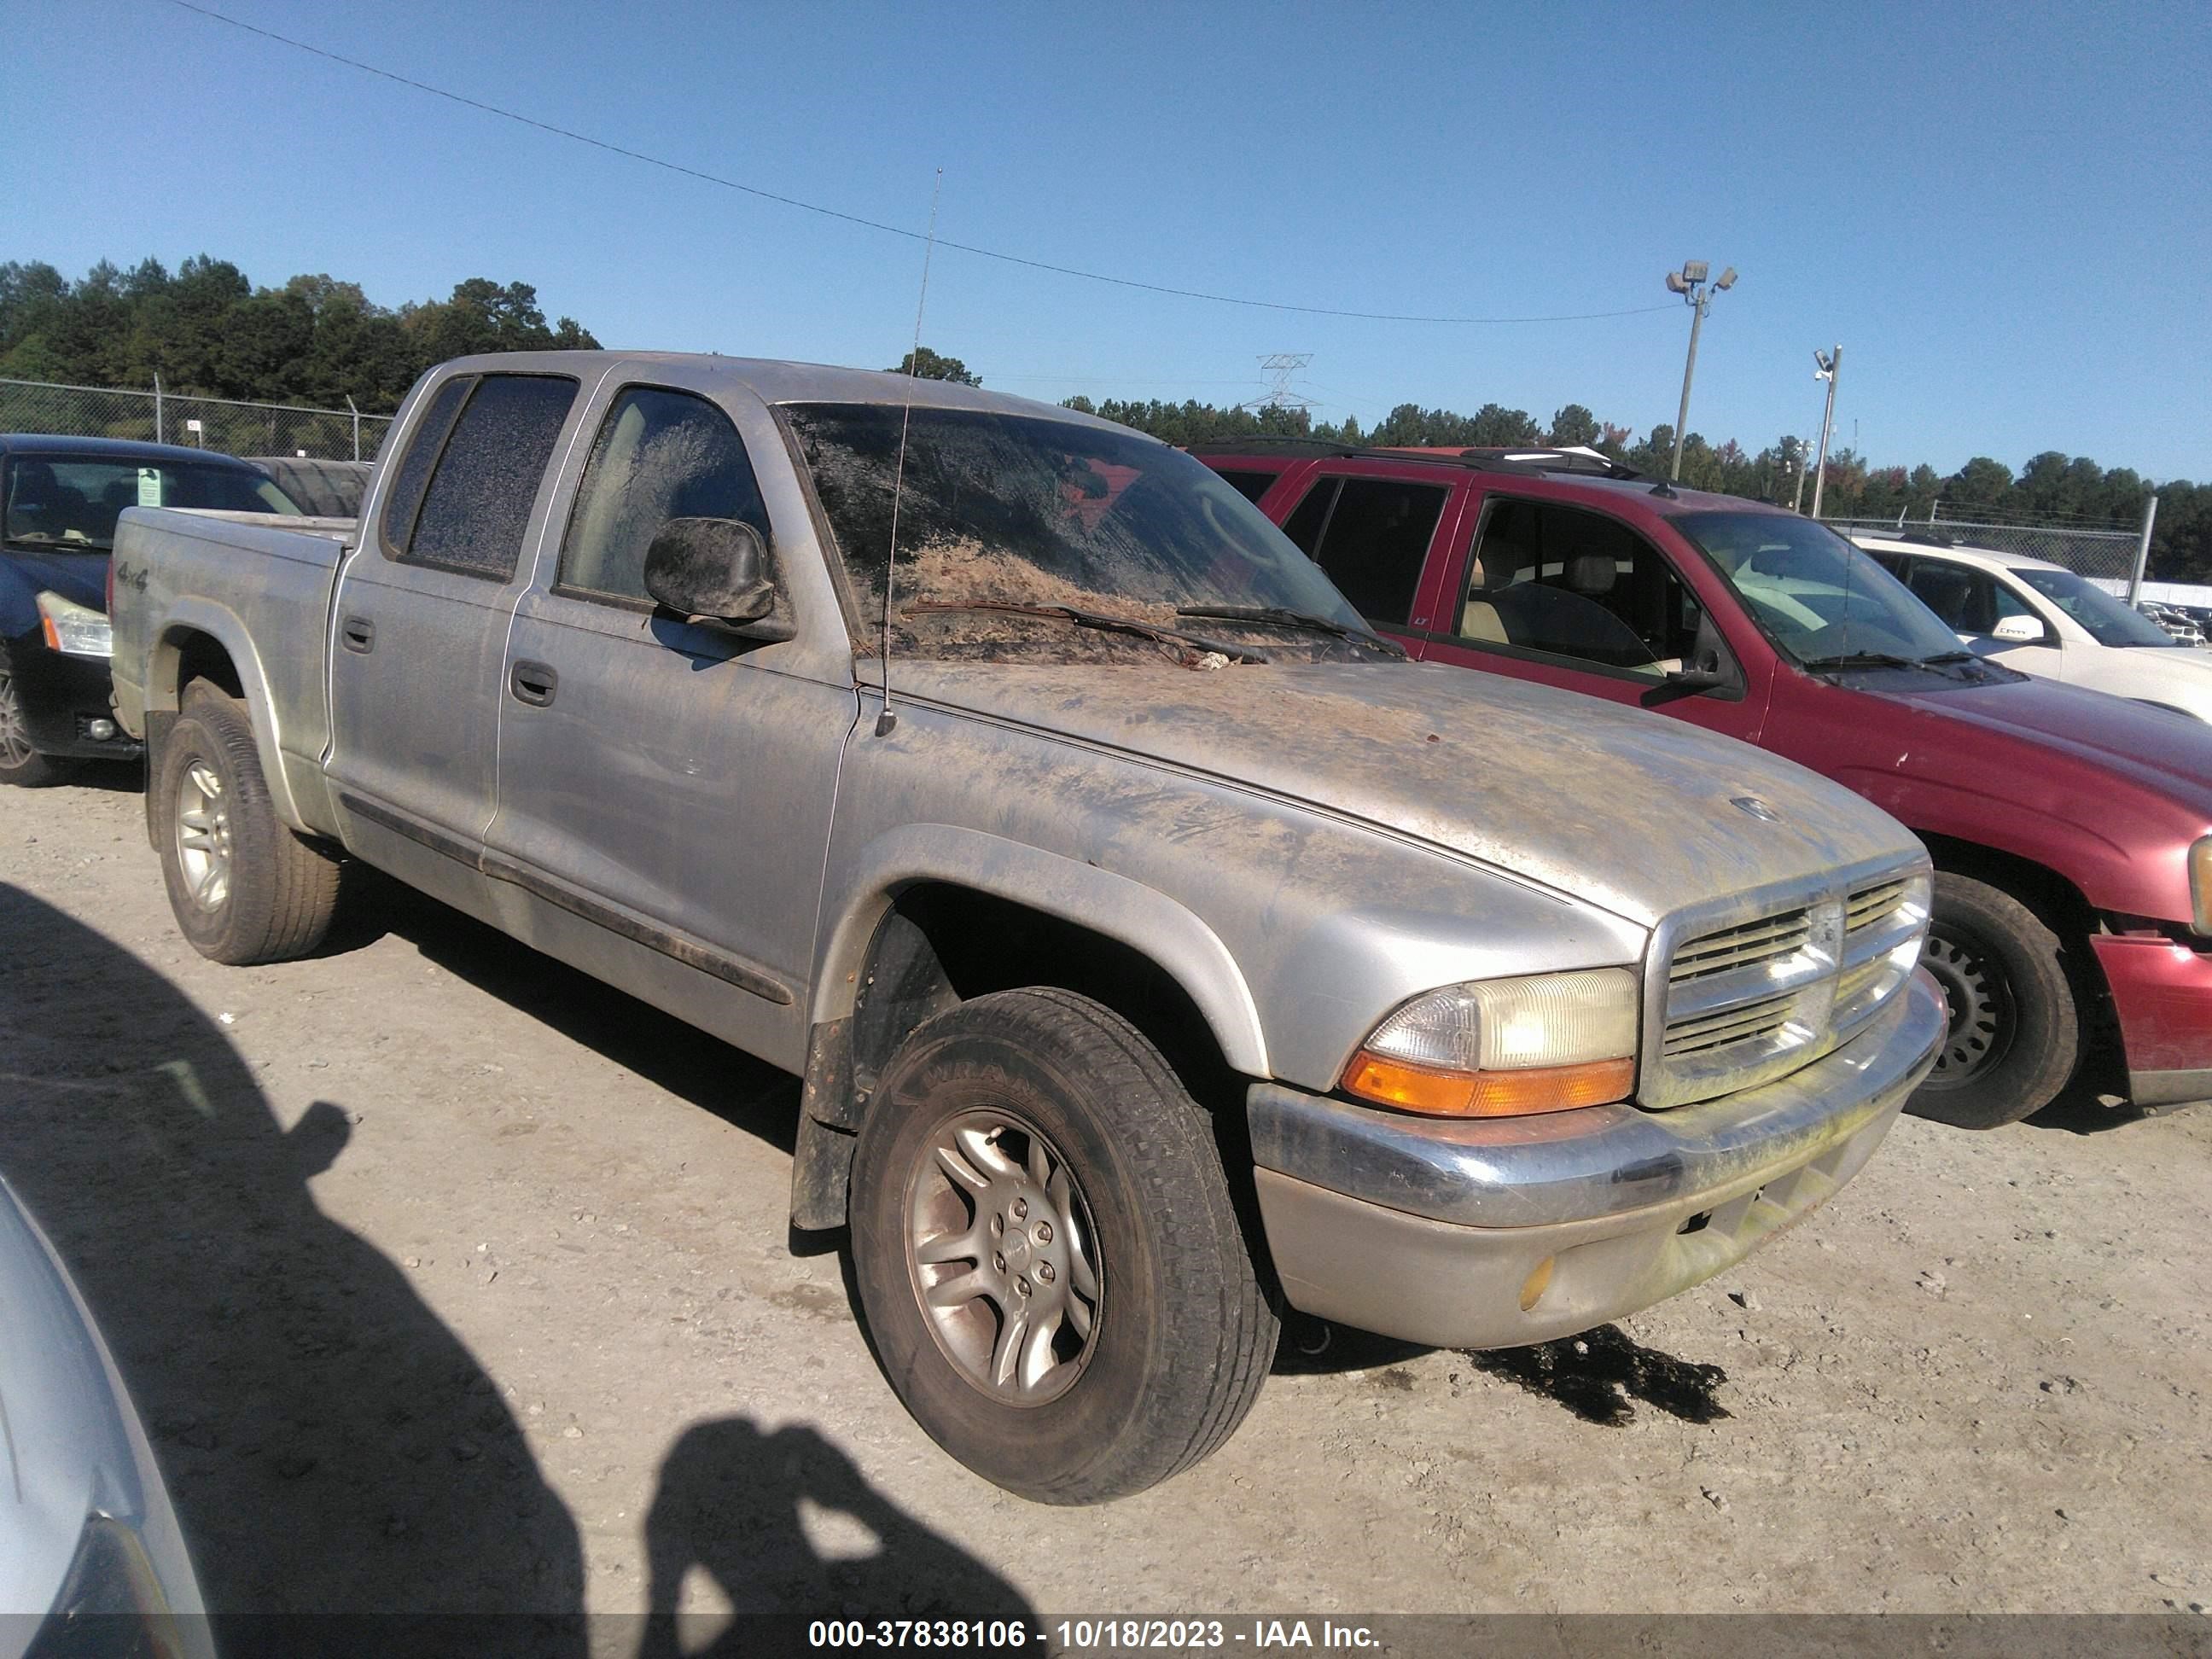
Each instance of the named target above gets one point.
<point>1699,677</point>
<point>2020,630</point>
<point>713,569</point>
<point>1710,666</point>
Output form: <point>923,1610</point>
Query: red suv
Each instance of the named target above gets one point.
<point>2071,831</point>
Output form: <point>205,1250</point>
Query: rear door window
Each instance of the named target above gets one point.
<point>1372,536</point>
<point>493,438</point>
<point>1304,524</point>
<point>1250,485</point>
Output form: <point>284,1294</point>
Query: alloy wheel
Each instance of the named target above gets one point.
<point>1003,1258</point>
<point>203,837</point>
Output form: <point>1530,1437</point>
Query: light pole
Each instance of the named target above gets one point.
<point>1690,282</point>
<point>1824,368</point>
<point>1798,460</point>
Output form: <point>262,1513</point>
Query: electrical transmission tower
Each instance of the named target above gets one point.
<point>1280,367</point>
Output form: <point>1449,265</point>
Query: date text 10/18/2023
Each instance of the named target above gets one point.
<point>1098,1636</point>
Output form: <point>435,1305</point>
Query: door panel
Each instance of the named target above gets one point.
<point>421,613</point>
<point>671,783</point>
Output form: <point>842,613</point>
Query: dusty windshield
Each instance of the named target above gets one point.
<point>1021,510</point>
<point>2109,620</point>
<point>72,504</point>
<point>1820,599</point>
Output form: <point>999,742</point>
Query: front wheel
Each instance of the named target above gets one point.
<point>2015,1035</point>
<point>244,885</point>
<point>20,763</point>
<point>1047,1253</point>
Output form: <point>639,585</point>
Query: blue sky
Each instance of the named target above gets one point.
<point>2004,215</point>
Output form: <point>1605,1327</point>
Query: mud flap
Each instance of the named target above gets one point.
<point>821,1174</point>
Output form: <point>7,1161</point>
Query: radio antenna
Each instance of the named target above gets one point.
<point>887,720</point>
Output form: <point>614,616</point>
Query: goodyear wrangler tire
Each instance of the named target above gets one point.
<point>245,888</point>
<point>1048,1254</point>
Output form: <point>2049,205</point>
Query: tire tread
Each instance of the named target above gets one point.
<point>283,908</point>
<point>1218,1332</point>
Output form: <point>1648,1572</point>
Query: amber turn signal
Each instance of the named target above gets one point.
<point>1487,1094</point>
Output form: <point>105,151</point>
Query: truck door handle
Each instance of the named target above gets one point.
<point>359,633</point>
<point>532,683</point>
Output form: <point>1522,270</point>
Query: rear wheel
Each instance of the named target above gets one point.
<point>2015,1035</point>
<point>20,763</point>
<point>1047,1253</point>
<point>244,886</point>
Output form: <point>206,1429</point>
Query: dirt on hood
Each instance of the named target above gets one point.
<point>1631,811</point>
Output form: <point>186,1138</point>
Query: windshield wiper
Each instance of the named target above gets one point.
<point>1281,617</point>
<point>1101,620</point>
<point>1864,659</point>
<point>1949,657</point>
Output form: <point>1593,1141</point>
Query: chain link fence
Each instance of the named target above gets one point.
<point>236,429</point>
<point>2104,552</point>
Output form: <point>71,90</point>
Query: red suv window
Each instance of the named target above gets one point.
<point>1372,536</point>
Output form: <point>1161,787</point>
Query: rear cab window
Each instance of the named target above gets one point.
<point>462,498</point>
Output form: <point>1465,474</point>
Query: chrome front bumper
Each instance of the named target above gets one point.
<point>1434,1230</point>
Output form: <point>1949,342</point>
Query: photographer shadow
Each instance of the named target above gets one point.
<point>331,1446</point>
<point>735,1503</point>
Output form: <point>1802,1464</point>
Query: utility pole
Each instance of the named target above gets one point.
<point>1797,456</point>
<point>1690,282</point>
<point>2142,552</point>
<point>1824,368</point>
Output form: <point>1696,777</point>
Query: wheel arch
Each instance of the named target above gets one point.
<point>1044,884</point>
<point>201,640</point>
<point>944,914</point>
<point>2060,906</point>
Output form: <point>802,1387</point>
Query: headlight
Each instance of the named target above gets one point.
<point>2200,886</point>
<point>1505,1047</point>
<point>74,629</point>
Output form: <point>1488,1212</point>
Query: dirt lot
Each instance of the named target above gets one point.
<point>447,1279</point>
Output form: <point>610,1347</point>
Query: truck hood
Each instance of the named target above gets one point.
<point>1617,807</point>
<point>2157,749</point>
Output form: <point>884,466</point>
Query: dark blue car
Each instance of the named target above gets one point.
<point>63,496</point>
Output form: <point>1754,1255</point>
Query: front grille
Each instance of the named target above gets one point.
<point>1696,1036</point>
<point>1756,996</point>
<point>1763,940</point>
<point>1868,905</point>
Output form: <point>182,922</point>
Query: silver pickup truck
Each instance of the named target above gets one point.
<point>1157,945</point>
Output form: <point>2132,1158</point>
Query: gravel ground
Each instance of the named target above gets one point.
<point>447,1279</point>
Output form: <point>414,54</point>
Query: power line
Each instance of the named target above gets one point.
<point>876,224</point>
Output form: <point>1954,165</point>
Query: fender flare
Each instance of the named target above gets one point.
<point>1140,917</point>
<point>222,625</point>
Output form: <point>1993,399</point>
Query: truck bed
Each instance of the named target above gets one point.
<point>260,585</point>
